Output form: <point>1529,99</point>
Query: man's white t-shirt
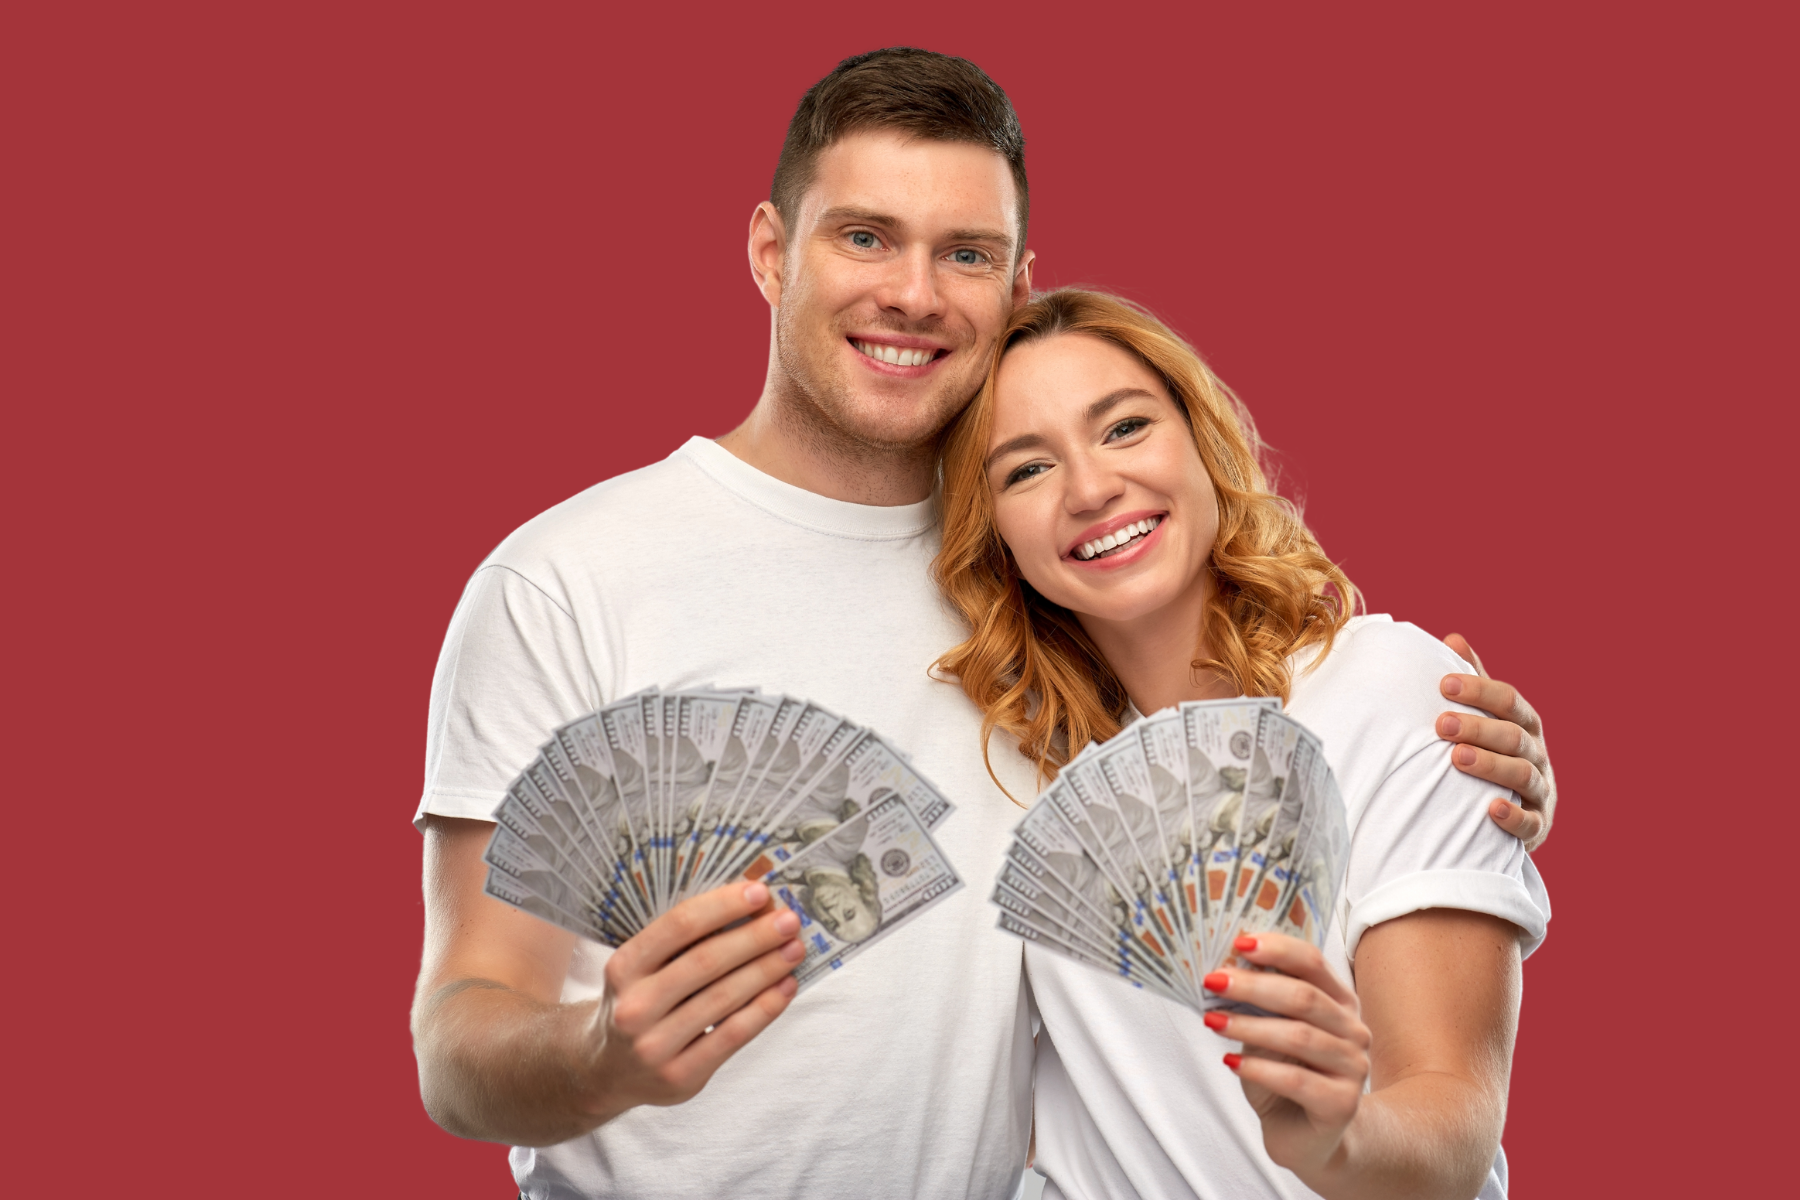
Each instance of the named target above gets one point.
<point>907,1074</point>
<point>1133,1098</point>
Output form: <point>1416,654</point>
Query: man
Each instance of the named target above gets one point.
<point>791,553</point>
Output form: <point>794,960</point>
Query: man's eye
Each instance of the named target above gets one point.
<point>1125,428</point>
<point>1030,470</point>
<point>863,240</point>
<point>966,258</point>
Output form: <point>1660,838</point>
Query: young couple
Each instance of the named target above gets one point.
<point>1102,543</point>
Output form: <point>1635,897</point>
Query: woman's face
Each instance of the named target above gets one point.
<point>1098,487</point>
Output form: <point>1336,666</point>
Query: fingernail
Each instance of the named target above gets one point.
<point>1218,981</point>
<point>1452,686</point>
<point>789,986</point>
<point>793,952</point>
<point>1465,756</point>
<point>1450,726</point>
<point>787,922</point>
<point>1216,1020</point>
<point>1244,945</point>
<point>756,894</point>
<point>1232,1060</point>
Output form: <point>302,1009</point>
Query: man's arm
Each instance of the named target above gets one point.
<point>1506,749</point>
<point>502,1060</point>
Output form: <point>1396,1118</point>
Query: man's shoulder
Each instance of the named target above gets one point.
<point>598,514</point>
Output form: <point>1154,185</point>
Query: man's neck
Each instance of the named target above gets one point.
<point>778,440</point>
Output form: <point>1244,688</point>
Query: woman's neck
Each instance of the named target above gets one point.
<point>1153,654</point>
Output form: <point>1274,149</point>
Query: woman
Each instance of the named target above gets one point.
<point>1114,547</point>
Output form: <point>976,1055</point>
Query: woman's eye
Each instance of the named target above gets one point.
<point>966,258</point>
<point>1125,428</point>
<point>863,240</point>
<point>1030,470</point>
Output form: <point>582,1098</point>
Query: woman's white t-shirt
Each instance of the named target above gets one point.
<point>1133,1098</point>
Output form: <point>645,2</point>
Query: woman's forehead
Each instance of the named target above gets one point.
<point>1058,379</point>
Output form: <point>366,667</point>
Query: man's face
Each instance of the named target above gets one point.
<point>896,279</point>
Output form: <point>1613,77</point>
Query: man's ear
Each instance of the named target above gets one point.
<point>768,242</point>
<point>1021,287</point>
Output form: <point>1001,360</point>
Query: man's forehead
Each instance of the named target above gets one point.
<point>928,186</point>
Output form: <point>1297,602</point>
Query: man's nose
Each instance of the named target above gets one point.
<point>909,286</point>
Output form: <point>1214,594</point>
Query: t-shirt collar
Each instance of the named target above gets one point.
<point>805,508</point>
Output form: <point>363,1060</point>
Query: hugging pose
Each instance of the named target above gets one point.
<point>996,526</point>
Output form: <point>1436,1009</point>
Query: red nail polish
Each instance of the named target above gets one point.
<point>1233,1060</point>
<point>1244,945</point>
<point>1218,981</point>
<point>1216,1020</point>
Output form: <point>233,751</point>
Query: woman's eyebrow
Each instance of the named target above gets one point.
<point>1024,441</point>
<point>1112,399</point>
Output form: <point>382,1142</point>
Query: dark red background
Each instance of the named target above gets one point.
<point>306,309</point>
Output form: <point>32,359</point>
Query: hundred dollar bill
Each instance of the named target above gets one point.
<point>1059,942</point>
<point>747,737</point>
<point>1221,736</point>
<point>859,884</point>
<point>1139,801</point>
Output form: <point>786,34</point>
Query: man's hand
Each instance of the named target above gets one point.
<point>503,1060</point>
<point>682,997</point>
<point>1506,749</point>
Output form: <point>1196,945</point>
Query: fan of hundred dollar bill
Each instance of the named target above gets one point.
<point>1153,852</point>
<point>662,795</point>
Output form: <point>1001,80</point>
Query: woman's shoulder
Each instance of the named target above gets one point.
<point>1378,669</point>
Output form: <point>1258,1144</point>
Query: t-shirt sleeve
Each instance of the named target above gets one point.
<point>1425,841</point>
<point>1423,838</point>
<point>513,669</point>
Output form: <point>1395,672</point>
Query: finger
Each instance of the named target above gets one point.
<point>680,927</point>
<point>1490,733</point>
<point>1494,698</point>
<point>1285,996</point>
<point>1297,959</point>
<point>718,1000</point>
<point>1342,1057</point>
<point>1328,1100</point>
<point>712,959</point>
<point>696,1064</point>
<point>1517,820</point>
<point>1466,652</point>
<point>1501,770</point>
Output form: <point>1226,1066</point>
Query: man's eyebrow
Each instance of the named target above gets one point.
<point>1095,411</point>
<point>993,236</point>
<point>868,216</point>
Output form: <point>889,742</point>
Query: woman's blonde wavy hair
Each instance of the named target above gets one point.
<point>1028,663</point>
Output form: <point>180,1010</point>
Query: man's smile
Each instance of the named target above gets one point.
<point>900,355</point>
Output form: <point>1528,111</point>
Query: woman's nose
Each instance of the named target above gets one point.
<point>1090,485</point>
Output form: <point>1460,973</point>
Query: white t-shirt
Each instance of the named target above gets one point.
<point>907,1074</point>
<point>1132,1096</point>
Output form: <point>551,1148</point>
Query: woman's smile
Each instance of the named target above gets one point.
<point>1113,543</point>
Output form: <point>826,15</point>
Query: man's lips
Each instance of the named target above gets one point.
<point>1116,538</point>
<point>892,354</point>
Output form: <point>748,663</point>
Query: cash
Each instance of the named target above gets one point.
<point>659,796</point>
<point>1152,852</point>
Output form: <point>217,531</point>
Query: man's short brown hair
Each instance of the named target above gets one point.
<point>921,92</point>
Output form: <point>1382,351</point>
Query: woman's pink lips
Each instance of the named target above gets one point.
<point>1130,555</point>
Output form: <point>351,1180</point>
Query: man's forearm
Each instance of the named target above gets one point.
<point>1429,1136</point>
<point>500,1066</point>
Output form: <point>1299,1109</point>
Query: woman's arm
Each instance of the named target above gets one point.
<point>1436,1007</point>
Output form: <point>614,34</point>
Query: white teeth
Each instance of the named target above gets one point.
<point>1116,538</point>
<point>894,354</point>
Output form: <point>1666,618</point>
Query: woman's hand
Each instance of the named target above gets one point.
<point>1303,1072</point>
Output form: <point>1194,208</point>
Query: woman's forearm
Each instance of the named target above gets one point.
<point>1429,1136</point>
